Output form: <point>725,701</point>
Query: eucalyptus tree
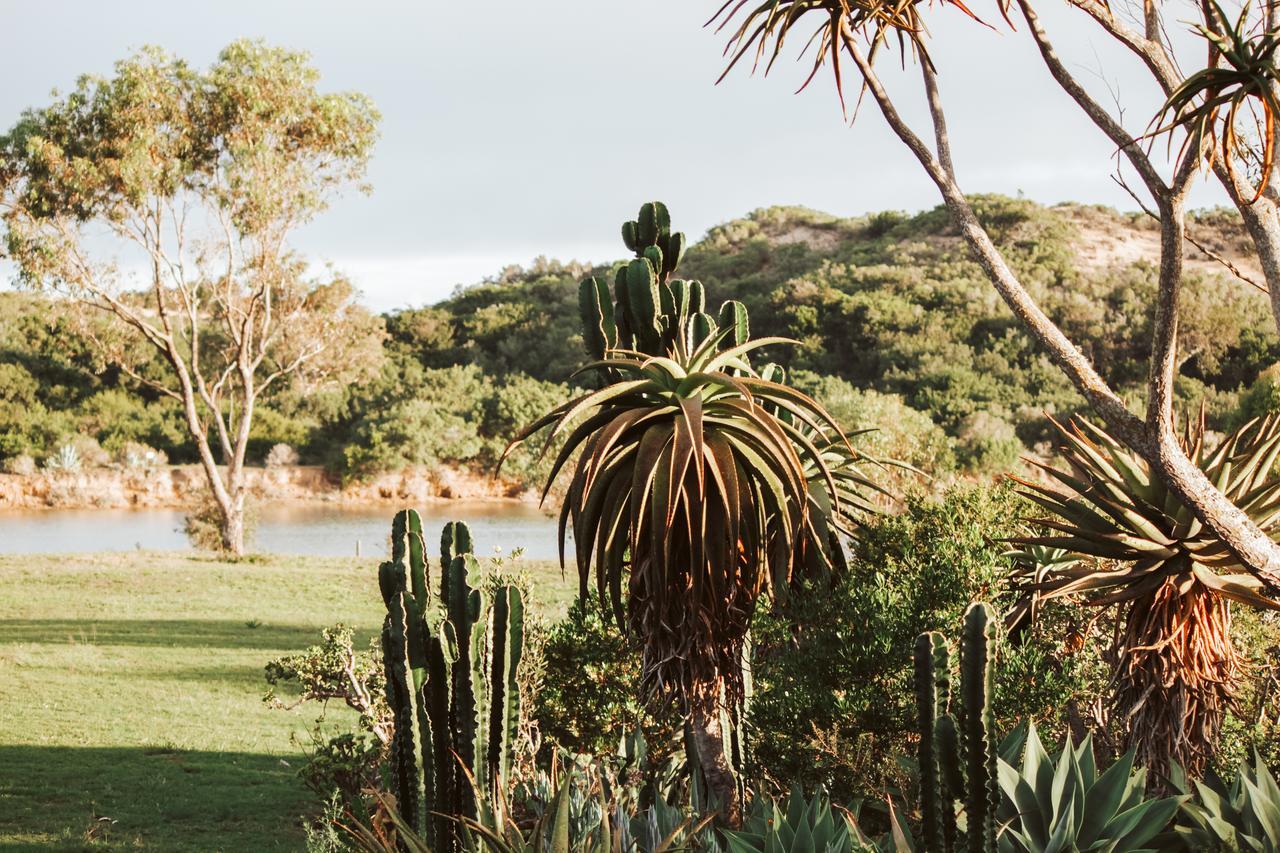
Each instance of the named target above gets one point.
<point>158,204</point>
<point>1220,116</point>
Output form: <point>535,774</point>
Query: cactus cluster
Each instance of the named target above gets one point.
<point>958,757</point>
<point>451,673</point>
<point>649,311</point>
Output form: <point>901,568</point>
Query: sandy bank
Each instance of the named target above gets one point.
<point>184,485</point>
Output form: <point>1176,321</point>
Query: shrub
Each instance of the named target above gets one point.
<point>588,698</point>
<point>22,465</point>
<point>281,456</point>
<point>203,524</point>
<point>833,666</point>
<point>898,431</point>
<point>117,417</point>
<point>272,427</point>
<point>334,670</point>
<point>988,443</point>
<point>133,454</point>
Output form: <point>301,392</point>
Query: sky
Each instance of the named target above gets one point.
<point>515,129</point>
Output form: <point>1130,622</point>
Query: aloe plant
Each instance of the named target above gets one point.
<point>699,484</point>
<point>1068,805</point>
<point>1176,667</point>
<point>1242,815</point>
<point>1243,76</point>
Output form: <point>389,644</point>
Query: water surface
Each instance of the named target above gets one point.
<point>311,529</point>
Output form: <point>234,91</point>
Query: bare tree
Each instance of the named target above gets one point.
<point>1208,115</point>
<point>157,204</point>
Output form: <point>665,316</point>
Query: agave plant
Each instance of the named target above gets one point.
<point>1176,668</point>
<point>698,484</point>
<point>1244,815</point>
<point>1069,805</point>
<point>811,824</point>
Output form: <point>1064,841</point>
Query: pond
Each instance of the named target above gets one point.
<point>308,529</point>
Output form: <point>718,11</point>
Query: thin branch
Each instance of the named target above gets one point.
<point>1201,247</point>
<point>1121,138</point>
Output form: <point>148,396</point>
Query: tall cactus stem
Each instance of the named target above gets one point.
<point>976,683</point>
<point>931,678</point>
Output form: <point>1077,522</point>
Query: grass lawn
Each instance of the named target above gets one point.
<point>131,690</point>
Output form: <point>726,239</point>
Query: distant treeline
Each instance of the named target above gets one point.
<point>897,329</point>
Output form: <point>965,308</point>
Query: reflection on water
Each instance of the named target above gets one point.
<point>321,530</point>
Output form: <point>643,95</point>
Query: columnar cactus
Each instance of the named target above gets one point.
<point>933,689</point>
<point>977,681</point>
<point>951,770</point>
<point>649,311</point>
<point>451,679</point>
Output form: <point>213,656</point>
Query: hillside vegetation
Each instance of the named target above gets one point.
<point>897,328</point>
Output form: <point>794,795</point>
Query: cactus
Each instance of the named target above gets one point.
<point>949,769</point>
<point>977,668</point>
<point>932,669</point>
<point>452,679</point>
<point>647,309</point>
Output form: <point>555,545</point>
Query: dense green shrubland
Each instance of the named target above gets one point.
<point>897,328</point>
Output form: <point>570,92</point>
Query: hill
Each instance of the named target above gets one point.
<point>897,328</point>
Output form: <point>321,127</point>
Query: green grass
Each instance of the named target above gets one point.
<point>131,695</point>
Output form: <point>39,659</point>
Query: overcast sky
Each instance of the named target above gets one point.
<point>513,129</point>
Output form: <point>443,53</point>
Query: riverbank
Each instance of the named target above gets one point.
<point>180,486</point>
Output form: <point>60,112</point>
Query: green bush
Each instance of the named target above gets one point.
<point>833,667</point>
<point>898,431</point>
<point>202,524</point>
<point>987,443</point>
<point>587,699</point>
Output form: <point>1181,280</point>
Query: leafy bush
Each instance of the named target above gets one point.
<point>281,456</point>
<point>897,430</point>
<point>22,465</point>
<point>117,417</point>
<point>987,442</point>
<point>587,700</point>
<point>833,666</point>
<point>133,454</point>
<point>202,524</point>
<point>334,670</point>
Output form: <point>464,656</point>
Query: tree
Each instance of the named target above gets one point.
<point>1205,112</point>
<point>159,202</point>
<point>700,483</point>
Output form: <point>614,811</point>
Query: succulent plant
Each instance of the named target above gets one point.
<point>1242,815</point>
<point>648,311</point>
<point>957,757</point>
<point>1070,806</point>
<point>698,481</point>
<point>451,680</point>
<point>1176,666</point>
<point>802,824</point>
